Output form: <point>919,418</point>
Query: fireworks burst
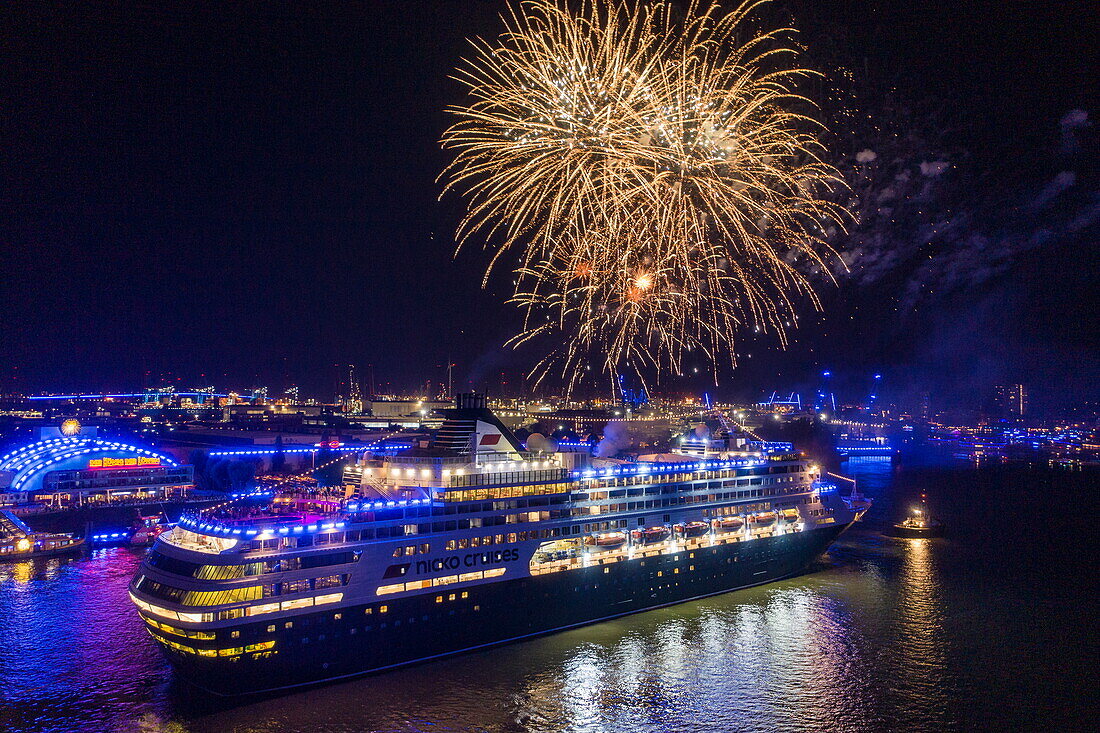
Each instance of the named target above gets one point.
<point>655,172</point>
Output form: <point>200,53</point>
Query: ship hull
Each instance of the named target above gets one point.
<point>350,641</point>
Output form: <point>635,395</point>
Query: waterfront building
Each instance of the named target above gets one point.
<point>1010,401</point>
<point>71,465</point>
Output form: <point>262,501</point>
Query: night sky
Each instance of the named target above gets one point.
<point>245,194</point>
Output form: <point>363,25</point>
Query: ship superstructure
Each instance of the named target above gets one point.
<point>470,541</point>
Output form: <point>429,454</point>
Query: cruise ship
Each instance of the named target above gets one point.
<point>467,541</point>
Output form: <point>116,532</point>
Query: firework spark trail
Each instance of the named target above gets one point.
<point>654,172</point>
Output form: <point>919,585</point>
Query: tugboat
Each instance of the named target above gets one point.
<point>919,524</point>
<point>142,533</point>
<point>20,542</point>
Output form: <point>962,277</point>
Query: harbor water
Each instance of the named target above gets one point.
<point>991,627</point>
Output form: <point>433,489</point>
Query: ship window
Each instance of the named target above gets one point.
<point>439,599</point>
<point>235,635</point>
<point>327,581</point>
<point>451,597</point>
<point>383,609</point>
<point>398,551</point>
<point>465,594</point>
<point>296,586</point>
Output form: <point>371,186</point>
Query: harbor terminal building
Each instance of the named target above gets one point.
<point>71,465</point>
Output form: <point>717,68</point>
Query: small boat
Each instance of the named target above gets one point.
<point>650,535</point>
<point>20,542</point>
<point>920,523</point>
<point>763,519</point>
<point>789,515</point>
<point>606,541</point>
<point>729,524</point>
<point>147,531</point>
<point>142,533</point>
<point>692,529</point>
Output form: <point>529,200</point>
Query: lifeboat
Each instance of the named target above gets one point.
<point>650,535</point>
<point>859,504</point>
<point>729,524</point>
<point>763,519</point>
<point>789,515</point>
<point>607,541</point>
<point>692,529</point>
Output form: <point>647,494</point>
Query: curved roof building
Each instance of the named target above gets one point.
<point>73,467</point>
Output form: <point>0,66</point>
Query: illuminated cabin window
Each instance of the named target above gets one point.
<point>199,635</point>
<point>198,598</point>
<point>187,569</point>
<point>227,652</point>
<point>295,604</point>
<point>440,581</point>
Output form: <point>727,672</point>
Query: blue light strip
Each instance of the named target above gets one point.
<point>123,395</point>
<point>218,529</point>
<point>650,469</point>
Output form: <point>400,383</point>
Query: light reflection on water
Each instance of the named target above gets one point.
<point>885,634</point>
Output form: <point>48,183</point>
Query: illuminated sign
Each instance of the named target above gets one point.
<point>138,462</point>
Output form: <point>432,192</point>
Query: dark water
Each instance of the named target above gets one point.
<point>990,628</point>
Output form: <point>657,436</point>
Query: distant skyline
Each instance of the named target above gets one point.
<point>246,196</point>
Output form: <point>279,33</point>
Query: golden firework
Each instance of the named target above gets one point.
<point>657,171</point>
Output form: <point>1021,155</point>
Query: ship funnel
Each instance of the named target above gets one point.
<point>471,400</point>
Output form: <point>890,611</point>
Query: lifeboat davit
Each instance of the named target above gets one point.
<point>607,541</point>
<point>763,519</point>
<point>650,535</point>
<point>692,529</point>
<point>730,524</point>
